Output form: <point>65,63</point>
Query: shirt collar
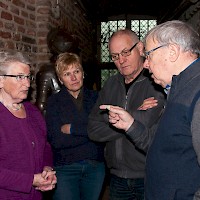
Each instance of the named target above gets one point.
<point>167,88</point>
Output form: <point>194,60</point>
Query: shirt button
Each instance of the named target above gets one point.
<point>33,143</point>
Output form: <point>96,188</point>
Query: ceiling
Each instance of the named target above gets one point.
<point>101,10</point>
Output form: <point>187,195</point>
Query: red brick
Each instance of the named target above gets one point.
<point>44,18</point>
<point>44,2</point>
<point>30,1</point>
<point>9,44</point>
<point>9,26</point>
<point>19,20</point>
<point>32,17</point>
<point>31,32</point>
<point>18,3</point>
<point>16,37</point>
<point>31,8</point>
<point>14,10</point>
<point>24,14</point>
<point>1,24</point>
<point>6,15</point>
<point>43,50</point>
<point>43,10</point>
<point>5,35</point>
<point>21,29</point>
<point>30,24</point>
<point>42,33</point>
<point>42,41</point>
<point>3,5</point>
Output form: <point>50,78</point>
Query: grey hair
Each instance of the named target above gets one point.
<point>6,58</point>
<point>125,31</point>
<point>176,32</point>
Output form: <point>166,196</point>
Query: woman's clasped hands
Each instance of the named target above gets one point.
<point>46,180</point>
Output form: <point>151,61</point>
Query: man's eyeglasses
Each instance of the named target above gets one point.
<point>124,53</point>
<point>147,53</point>
<point>20,77</point>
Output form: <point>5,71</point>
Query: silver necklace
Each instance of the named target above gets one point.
<point>14,106</point>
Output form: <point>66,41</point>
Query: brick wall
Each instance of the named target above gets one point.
<point>24,25</point>
<point>17,26</point>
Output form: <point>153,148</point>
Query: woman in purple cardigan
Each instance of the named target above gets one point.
<point>25,155</point>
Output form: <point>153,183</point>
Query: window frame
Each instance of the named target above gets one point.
<point>128,18</point>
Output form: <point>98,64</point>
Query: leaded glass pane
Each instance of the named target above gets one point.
<point>152,23</point>
<point>121,24</point>
<point>106,73</point>
<point>140,27</point>
<point>107,29</point>
<point>135,26</point>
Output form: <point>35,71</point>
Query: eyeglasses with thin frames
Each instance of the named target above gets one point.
<point>124,53</point>
<point>147,53</point>
<point>20,77</point>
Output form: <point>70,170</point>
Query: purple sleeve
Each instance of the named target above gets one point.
<point>15,181</point>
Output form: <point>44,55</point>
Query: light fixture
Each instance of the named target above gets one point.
<point>56,10</point>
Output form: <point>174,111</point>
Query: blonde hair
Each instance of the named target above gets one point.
<point>64,60</point>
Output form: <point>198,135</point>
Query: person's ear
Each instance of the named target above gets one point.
<point>174,52</point>
<point>140,47</point>
<point>60,81</point>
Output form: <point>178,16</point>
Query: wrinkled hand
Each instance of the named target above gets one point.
<point>66,128</point>
<point>118,117</point>
<point>148,103</point>
<point>46,180</point>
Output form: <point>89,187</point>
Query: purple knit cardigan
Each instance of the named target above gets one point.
<point>24,151</point>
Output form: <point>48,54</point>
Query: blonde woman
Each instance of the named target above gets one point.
<point>78,161</point>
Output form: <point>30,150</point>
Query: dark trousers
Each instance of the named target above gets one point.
<point>126,189</point>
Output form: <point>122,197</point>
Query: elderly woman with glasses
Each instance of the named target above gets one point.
<point>25,155</point>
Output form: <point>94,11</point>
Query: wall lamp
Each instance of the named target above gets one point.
<point>56,10</point>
